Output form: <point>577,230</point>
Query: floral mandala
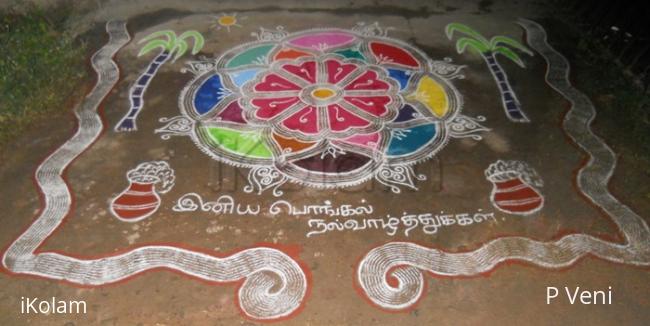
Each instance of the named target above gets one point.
<point>323,107</point>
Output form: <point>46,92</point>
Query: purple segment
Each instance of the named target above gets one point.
<point>323,41</point>
<point>152,68</point>
<point>232,113</point>
<point>143,80</point>
<point>406,113</point>
<point>162,57</point>
<point>327,164</point>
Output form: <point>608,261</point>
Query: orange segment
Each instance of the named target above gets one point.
<point>291,54</point>
<point>291,144</point>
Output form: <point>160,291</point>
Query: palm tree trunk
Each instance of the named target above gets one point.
<point>508,98</point>
<point>136,93</point>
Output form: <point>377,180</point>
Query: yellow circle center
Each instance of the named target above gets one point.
<point>323,93</point>
<point>227,20</point>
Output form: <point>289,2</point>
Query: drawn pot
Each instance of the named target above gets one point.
<point>137,202</point>
<point>512,195</point>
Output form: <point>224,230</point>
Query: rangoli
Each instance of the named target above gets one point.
<point>391,276</point>
<point>324,108</point>
<point>272,284</point>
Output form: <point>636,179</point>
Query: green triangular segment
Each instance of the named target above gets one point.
<point>249,144</point>
<point>351,53</point>
<point>250,56</point>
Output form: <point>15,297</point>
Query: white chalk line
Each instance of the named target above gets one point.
<point>260,269</point>
<point>406,262</point>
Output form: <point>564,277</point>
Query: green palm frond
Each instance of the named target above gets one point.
<point>462,28</point>
<point>153,45</point>
<point>171,37</point>
<point>198,40</point>
<point>495,41</point>
<point>509,54</point>
<point>172,43</point>
<point>464,42</point>
<point>179,49</point>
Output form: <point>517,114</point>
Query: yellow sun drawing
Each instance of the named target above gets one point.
<point>227,20</point>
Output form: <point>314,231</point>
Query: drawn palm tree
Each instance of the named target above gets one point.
<point>488,50</point>
<point>168,46</point>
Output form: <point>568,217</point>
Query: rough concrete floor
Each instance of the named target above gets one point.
<point>510,294</point>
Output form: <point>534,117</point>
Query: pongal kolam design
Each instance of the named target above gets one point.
<point>515,187</point>
<point>391,275</point>
<point>272,284</point>
<point>489,49</point>
<point>171,48</point>
<point>140,199</point>
<point>324,107</point>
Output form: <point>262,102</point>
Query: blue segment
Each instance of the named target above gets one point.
<point>209,94</point>
<point>406,141</point>
<point>402,77</point>
<point>241,77</point>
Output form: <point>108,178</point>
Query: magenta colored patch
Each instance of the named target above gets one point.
<point>305,120</point>
<point>375,105</point>
<point>366,140</point>
<point>336,71</point>
<point>367,81</point>
<point>270,107</point>
<point>275,83</point>
<point>342,120</point>
<point>306,71</point>
<point>232,113</point>
<point>324,40</point>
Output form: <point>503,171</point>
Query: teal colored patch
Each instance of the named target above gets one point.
<point>351,53</point>
<point>407,141</point>
<point>241,77</point>
<point>252,55</point>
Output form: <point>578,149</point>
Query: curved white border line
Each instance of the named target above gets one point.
<point>405,262</point>
<point>261,269</point>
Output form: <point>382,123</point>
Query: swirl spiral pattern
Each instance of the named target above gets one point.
<point>274,285</point>
<point>406,261</point>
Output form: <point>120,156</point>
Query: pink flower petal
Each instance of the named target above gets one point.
<point>341,120</point>
<point>336,70</point>
<point>375,105</point>
<point>305,120</point>
<point>306,71</point>
<point>275,83</point>
<point>270,107</point>
<point>367,81</point>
